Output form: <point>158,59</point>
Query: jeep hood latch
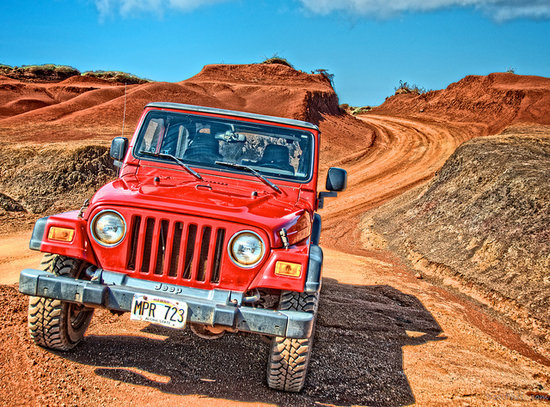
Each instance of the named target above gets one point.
<point>284,237</point>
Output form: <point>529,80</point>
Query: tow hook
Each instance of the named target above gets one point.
<point>252,298</point>
<point>83,208</point>
<point>94,274</point>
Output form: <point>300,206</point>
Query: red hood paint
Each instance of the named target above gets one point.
<point>212,197</point>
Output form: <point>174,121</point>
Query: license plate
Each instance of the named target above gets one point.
<point>162,311</point>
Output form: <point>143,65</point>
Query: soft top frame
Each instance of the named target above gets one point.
<point>213,110</point>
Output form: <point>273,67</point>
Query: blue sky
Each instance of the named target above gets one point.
<point>369,45</point>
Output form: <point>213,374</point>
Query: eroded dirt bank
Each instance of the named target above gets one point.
<point>83,108</point>
<point>483,222</point>
<point>496,100</point>
<point>38,180</point>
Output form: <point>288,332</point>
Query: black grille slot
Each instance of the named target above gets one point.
<point>176,243</point>
<point>134,237</point>
<point>220,238</point>
<point>205,242</point>
<point>161,249</point>
<point>189,251</point>
<point>147,247</point>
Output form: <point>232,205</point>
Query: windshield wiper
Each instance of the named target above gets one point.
<point>252,170</point>
<point>176,159</point>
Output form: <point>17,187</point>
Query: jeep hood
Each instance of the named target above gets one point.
<point>248,202</point>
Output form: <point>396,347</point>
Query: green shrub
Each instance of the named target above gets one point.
<point>359,110</point>
<point>117,76</point>
<point>276,59</point>
<point>406,88</point>
<point>50,69</point>
<point>326,74</point>
<point>5,69</point>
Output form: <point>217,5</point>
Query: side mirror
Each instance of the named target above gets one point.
<point>337,180</point>
<point>119,147</point>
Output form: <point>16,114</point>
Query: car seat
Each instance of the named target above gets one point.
<point>203,148</point>
<point>276,156</point>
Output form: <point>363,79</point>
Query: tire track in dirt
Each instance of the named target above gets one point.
<point>406,152</point>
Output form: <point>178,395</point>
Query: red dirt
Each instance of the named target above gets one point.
<point>75,108</point>
<point>496,100</point>
<point>86,80</point>
<point>415,134</point>
<point>384,337</point>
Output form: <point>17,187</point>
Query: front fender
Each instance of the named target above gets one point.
<point>79,247</point>
<point>311,258</point>
<point>314,270</point>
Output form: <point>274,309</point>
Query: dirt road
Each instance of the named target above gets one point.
<point>405,153</point>
<point>15,255</point>
<point>383,337</point>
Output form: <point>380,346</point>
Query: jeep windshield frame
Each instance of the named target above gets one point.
<point>274,151</point>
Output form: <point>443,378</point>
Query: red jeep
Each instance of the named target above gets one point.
<point>211,223</point>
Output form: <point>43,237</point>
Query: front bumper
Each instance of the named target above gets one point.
<point>115,291</point>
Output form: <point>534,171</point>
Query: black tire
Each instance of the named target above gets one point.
<point>289,358</point>
<point>53,323</point>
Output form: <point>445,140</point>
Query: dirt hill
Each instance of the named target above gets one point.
<point>496,100</point>
<point>83,107</point>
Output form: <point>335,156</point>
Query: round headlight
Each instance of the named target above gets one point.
<point>246,249</point>
<point>108,228</point>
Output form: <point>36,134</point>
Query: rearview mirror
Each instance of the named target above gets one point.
<point>337,179</point>
<point>119,147</point>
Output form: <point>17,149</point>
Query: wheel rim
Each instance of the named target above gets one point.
<point>77,316</point>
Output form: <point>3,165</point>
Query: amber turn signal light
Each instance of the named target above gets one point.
<point>61,234</point>
<point>283,268</point>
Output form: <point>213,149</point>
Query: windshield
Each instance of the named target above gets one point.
<point>200,141</point>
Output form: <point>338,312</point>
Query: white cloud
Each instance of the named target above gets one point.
<point>129,7</point>
<point>103,6</point>
<point>500,10</point>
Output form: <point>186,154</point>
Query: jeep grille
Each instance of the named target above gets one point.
<point>188,251</point>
